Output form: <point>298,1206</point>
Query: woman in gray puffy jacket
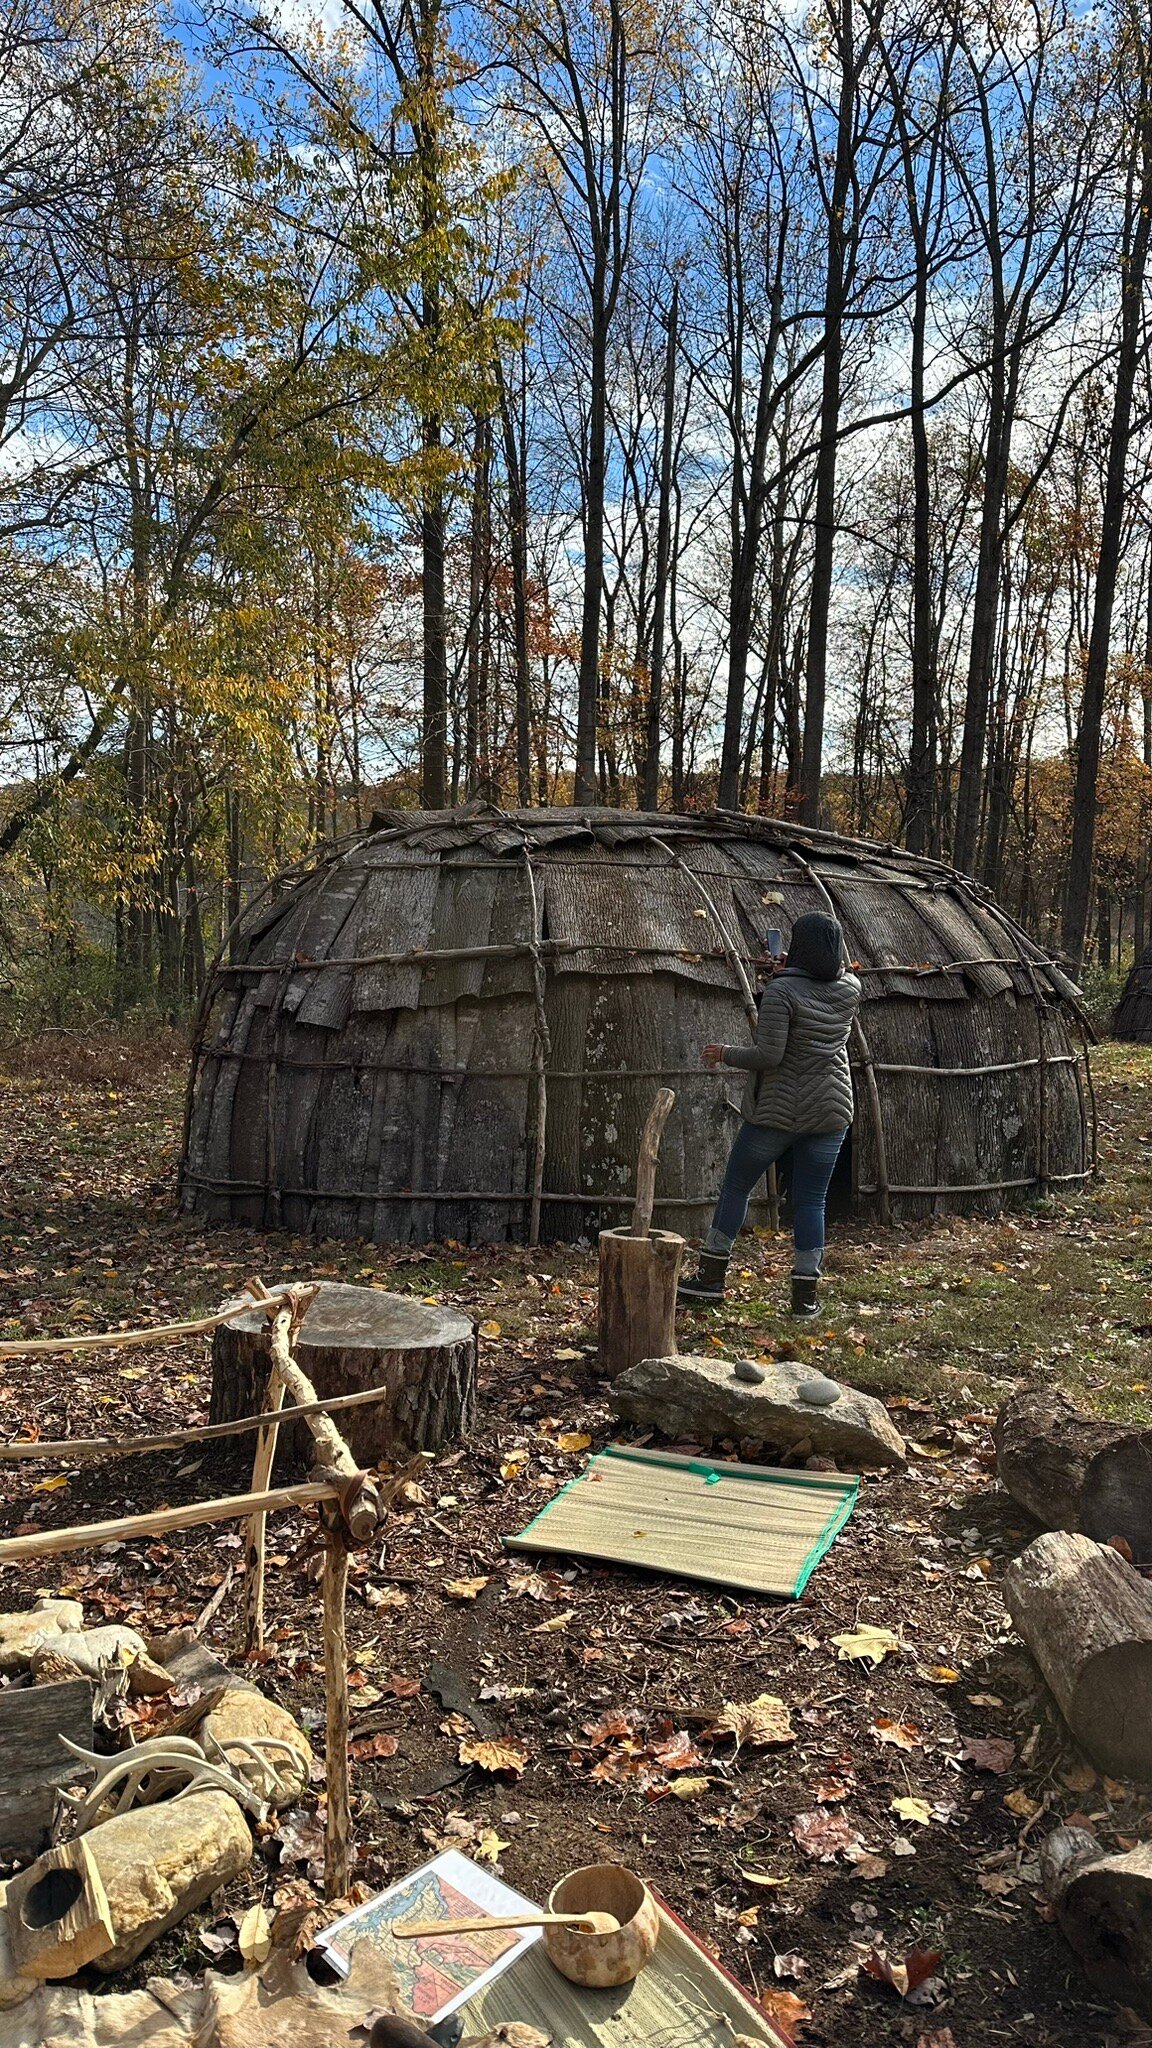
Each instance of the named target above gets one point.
<point>798,1099</point>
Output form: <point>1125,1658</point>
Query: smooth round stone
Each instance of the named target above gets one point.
<point>754,1375</point>
<point>818,1391</point>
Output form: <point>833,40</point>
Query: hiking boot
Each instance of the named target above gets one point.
<point>707,1283</point>
<point>805,1287</point>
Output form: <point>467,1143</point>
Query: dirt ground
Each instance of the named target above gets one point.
<point>794,1862</point>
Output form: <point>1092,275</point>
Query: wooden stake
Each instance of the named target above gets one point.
<point>52,1542</point>
<point>332,1453</point>
<point>252,1625</point>
<point>80,1447</point>
<point>646,1167</point>
<point>338,1824</point>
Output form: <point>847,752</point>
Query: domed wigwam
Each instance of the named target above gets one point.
<point>453,1025</point>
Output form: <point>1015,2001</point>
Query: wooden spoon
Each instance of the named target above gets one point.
<point>585,1923</point>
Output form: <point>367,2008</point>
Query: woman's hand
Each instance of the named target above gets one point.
<point>713,1055</point>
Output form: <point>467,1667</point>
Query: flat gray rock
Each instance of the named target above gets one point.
<point>700,1399</point>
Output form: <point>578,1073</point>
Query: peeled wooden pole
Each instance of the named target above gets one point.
<point>1086,1616</point>
<point>639,1267</point>
<point>161,1521</point>
<point>252,1622</point>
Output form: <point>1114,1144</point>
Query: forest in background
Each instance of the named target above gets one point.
<point>540,401</point>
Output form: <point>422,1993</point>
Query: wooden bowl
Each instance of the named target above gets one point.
<point>603,1959</point>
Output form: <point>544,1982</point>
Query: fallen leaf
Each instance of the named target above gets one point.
<point>984,1699</point>
<point>942,1674</point>
<point>620,1721</point>
<point>763,1879</point>
<point>940,2037</point>
<point>554,1624</point>
<point>1116,1791</point>
<point>489,1847</point>
<point>573,1440</point>
<point>513,1467</point>
<point>1080,1778</point>
<point>750,1917</point>
<point>368,1746</point>
<point>301,1837</point>
<point>567,1356</point>
<point>870,1867</point>
<point>679,1753</point>
<point>401,1686</point>
<point>918,1965</point>
<point>899,1734</point>
<point>866,1644</point>
<point>1018,1802</point>
<point>52,1485</point>
<point>785,2008</point>
<point>509,1755</point>
<point>823,1835</point>
<point>689,1788</point>
<point>254,1939</point>
<point>760,1723</point>
<point>989,1753</point>
<point>385,1596</point>
<point>827,1791</point>
<point>489,1329</point>
<point>791,1965</point>
<point>465,1589</point>
<point>913,1809</point>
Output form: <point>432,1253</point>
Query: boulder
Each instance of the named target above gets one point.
<point>701,1399</point>
<point>159,1862</point>
<point>241,1714</point>
<point>20,1634</point>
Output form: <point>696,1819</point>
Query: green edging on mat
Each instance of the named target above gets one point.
<point>706,1470</point>
<point>827,1538</point>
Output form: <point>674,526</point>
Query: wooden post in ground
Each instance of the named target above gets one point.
<point>639,1268</point>
<point>338,1824</point>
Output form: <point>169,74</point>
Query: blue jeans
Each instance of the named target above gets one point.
<point>814,1155</point>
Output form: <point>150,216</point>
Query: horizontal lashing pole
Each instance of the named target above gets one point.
<point>161,1521</point>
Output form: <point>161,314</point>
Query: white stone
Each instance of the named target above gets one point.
<point>91,1648</point>
<point>700,1399</point>
<point>159,1862</point>
<point>20,1634</point>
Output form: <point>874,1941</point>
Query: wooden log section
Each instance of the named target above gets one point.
<point>1086,1616</point>
<point>1104,1909</point>
<point>424,1357</point>
<point>639,1267</point>
<point>1072,1471</point>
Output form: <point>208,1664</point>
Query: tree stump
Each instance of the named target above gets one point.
<point>638,1277</point>
<point>1104,1908</point>
<point>353,1338</point>
<point>1072,1471</point>
<point>1086,1616</point>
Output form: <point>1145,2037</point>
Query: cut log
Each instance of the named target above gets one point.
<point>356,1337</point>
<point>1072,1471</point>
<point>638,1277</point>
<point>1044,1445</point>
<point>1086,1616</point>
<point>1104,1909</point>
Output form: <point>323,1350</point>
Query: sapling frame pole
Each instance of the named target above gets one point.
<point>78,1447</point>
<point>338,1816</point>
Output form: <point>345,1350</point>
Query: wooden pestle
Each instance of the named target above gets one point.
<point>585,1923</point>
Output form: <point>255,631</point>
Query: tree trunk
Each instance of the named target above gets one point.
<point>650,776</point>
<point>824,535</point>
<point>588,686</point>
<point>353,1338</point>
<point>1133,270</point>
<point>1086,1616</point>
